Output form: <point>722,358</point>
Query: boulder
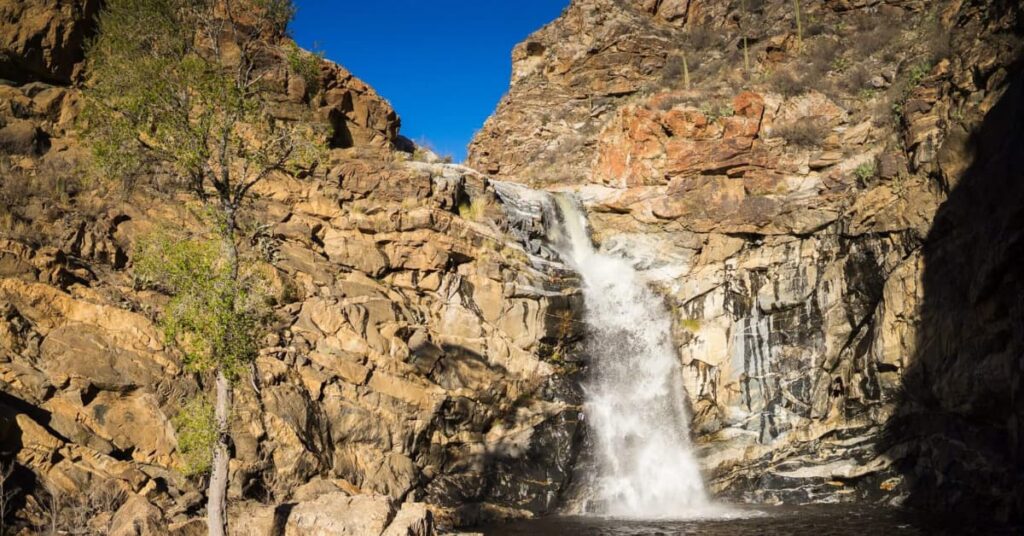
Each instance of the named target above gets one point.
<point>138,517</point>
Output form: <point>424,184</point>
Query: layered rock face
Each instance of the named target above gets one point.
<point>410,360</point>
<point>833,218</point>
<point>800,197</point>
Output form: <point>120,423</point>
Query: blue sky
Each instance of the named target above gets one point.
<point>443,64</point>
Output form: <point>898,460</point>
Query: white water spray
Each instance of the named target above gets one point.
<point>634,397</point>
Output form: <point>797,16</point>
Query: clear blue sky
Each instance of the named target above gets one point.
<point>443,64</point>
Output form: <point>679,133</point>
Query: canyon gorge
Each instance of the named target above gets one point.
<point>800,224</point>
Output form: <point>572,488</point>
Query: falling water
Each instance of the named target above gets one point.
<point>634,396</point>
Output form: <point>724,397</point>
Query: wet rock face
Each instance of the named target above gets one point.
<point>802,226</point>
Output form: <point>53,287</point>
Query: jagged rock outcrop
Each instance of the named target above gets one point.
<point>407,358</point>
<point>410,375</point>
<point>42,40</point>
<point>569,77</point>
<point>834,222</point>
<point>788,196</point>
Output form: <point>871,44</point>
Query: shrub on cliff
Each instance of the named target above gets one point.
<point>180,86</point>
<point>804,132</point>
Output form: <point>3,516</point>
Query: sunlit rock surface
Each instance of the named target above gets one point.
<point>791,213</point>
<point>409,366</point>
<point>837,252</point>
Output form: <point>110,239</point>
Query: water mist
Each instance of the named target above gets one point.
<point>634,399</point>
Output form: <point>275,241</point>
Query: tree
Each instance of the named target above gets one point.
<point>7,493</point>
<point>181,88</point>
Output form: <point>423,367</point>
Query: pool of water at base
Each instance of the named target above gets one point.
<point>811,520</point>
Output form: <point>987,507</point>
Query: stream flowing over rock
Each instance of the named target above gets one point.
<point>828,228</point>
<point>804,203</point>
<point>634,401</point>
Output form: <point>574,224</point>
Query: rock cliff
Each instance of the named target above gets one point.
<point>831,210</point>
<point>412,361</point>
<point>803,194</point>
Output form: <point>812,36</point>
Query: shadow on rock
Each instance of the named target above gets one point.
<point>957,426</point>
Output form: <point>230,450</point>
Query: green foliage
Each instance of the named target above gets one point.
<point>864,171</point>
<point>196,429</point>
<point>306,65</point>
<point>867,94</point>
<point>899,185</point>
<point>715,112</point>
<point>840,64</point>
<point>917,73</point>
<point>691,324</point>
<point>274,15</point>
<point>158,94</point>
<point>215,315</point>
<point>914,76</point>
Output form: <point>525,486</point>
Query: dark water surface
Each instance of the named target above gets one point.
<point>811,520</point>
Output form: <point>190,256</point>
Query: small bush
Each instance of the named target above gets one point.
<point>910,79</point>
<point>864,172</point>
<point>670,102</point>
<point>62,513</point>
<point>15,187</point>
<point>804,132</point>
<point>701,38</point>
<point>714,112</point>
<point>197,433</point>
<point>815,27</point>
<point>840,64</point>
<point>788,84</point>
<point>939,44</point>
<point>473,211</point>
<point>306,65</point>
<point>754,6</point>
<point>856,79</point>
<point>867,94</point>
<point>882,32</point>
<point>824,55</point>
<point>677,68</point>
<point>673,70</point>
<point>917,73</point>
<point>419,154</point>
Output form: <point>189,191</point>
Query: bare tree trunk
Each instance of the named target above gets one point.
<point>216,506</point>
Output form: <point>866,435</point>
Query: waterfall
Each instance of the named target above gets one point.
<point>634,399</point>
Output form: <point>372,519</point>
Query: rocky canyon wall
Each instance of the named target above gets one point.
<point>832,216</point>
<point>412,359</point>
<point>831,212</point>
